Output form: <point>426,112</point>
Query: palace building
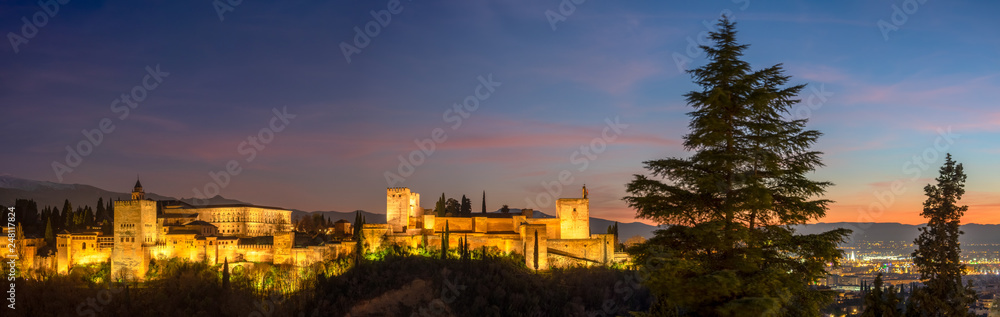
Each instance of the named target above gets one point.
<point>145,229</point>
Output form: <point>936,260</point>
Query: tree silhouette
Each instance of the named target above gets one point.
<point>452,207</point>
<point>444,241</point>
<point>225,275</point>
<point>466,207</point>
<point>439,208</point>
<point>536,251</point>
<point>938,254</point>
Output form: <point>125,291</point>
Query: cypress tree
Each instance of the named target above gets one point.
<point>938,254</point>
<point>67,215</point>
<point>444,241</point>
<point>440,206</point>
<point>50,236</point>
<point>55,218</point>
<point>484,201</point>
<point>102,212</point>
<point>536,250</point>
<point>465,209</point>
<point>225,275</point>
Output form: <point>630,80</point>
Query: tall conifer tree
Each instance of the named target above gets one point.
<point>730,249</point>
<point>938,254</point>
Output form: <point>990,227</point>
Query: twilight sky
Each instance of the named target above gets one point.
<point>884,103</point>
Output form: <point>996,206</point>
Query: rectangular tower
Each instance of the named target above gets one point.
<point>574,217</point>
<point>400,205</point>
<point>135,230</point>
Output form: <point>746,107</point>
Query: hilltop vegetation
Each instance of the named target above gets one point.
<point>389,282</point>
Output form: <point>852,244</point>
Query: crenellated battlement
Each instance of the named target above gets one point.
<point>254,246</point>
<point>397,190</point>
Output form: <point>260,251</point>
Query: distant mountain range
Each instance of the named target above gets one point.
<point>53,194</point>
<point>974,233</point>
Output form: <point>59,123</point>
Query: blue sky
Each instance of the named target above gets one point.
<point>886,97</point>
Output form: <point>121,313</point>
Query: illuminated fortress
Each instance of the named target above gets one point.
<point>562,241</point>
<point>144,230</point>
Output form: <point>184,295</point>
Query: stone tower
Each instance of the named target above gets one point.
<point>135,231</point>
<point>400,205</point>
<point>574,216</point>
<point>283,243</point>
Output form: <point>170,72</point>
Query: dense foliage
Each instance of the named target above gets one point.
<point>480,283</point>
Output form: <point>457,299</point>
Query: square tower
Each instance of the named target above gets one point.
<point>134,231</point>
<point>574,216</point>
<point>400,205</point>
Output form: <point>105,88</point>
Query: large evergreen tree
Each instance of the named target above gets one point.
<point>484,201</point>
<point>938,254</point>
<point>731,250</point>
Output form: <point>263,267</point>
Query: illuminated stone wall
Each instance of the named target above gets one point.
<point>529,234</point>
<point>81,249</point>
<point>283,243</point>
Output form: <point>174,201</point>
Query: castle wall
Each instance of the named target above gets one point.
<point>283,243</point>
<point>553,226</point>
<point>72,250</point>
<point>499,225</point>
<point>599,249</point>
<point>454,224</point>
<point>529,234</point>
